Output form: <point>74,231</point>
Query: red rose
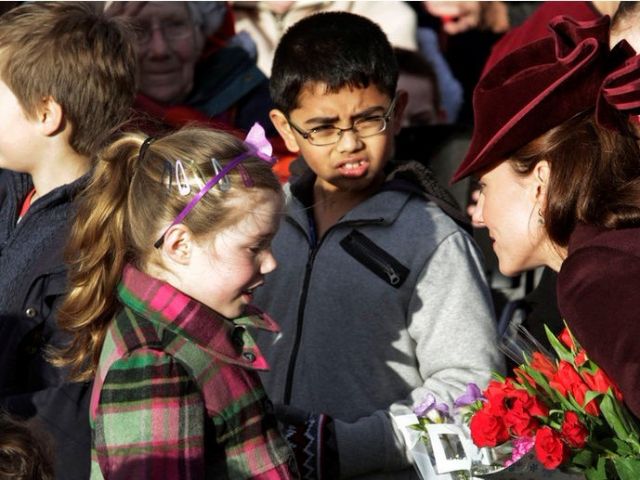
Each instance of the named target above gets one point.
<point>520,421</point>
<point>573,430</point>
<point>551,451</point>
<point>600,382</point>
<point>487,429</point>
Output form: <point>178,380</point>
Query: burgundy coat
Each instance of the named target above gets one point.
<point>599,297</point>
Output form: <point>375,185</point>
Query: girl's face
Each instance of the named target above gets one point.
<point>508,206</point>
<point>226,269</point>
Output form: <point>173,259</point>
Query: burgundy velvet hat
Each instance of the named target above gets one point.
<point>538,87</point>
<point>620,93</point>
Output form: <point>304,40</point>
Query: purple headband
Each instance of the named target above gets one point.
<point>259,147</point>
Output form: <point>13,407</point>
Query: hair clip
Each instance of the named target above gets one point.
<point>224,184</point>
<point>181,179</point>
<point>167,174</point>
<point>260,146</point>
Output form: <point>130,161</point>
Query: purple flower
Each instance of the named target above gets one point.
<point>430,404</point>
<point>471,394</point>
<point>521,446</point>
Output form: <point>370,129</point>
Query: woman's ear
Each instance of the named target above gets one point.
<point>279,120</point>
<point>540,176</point>
<point>50,116</point>
<point>178,244</point>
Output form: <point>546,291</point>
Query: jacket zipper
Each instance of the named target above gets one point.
<point>374,258</point>
<point>303,300</point>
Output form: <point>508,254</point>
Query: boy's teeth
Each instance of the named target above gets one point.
<point>351,164</point>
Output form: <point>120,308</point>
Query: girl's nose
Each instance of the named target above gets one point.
<point>269,262</point>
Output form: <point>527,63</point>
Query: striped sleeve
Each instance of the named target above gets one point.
<point>150,420</point>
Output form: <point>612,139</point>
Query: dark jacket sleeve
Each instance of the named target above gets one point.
<point>30,387</point>
<point>599,295</point>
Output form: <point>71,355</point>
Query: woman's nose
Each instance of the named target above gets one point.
<point>477,217</point>
<point>158,45</point>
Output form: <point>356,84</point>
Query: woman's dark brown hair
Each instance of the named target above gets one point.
<point>595,176</point>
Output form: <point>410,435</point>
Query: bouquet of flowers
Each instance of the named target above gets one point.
<point>564,409</point>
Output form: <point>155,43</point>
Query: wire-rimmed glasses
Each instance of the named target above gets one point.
<point>363,127</point>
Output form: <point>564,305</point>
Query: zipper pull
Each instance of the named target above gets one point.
<point>394,278</point>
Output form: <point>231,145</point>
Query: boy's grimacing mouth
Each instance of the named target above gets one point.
<point>355,166</point>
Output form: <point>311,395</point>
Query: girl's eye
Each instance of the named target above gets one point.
<point>256,249</point>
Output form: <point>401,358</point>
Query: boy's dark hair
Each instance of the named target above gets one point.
<point>25,451</point>
<point>338,49</point>
<point>71,52</point>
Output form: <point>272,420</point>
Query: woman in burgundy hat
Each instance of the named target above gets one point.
<point>560,182</point>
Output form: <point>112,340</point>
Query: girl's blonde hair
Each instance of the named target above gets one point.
<point>128,204</point>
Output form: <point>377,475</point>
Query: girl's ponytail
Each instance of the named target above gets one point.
<point>96,252</point>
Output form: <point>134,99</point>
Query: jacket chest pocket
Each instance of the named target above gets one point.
<point>375,259</point>
<point>44,293</point>
<point>38,310</point>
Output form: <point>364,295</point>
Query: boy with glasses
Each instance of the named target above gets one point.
<point>380,295</point>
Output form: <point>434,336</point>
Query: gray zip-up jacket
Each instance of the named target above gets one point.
<point>389,305</point>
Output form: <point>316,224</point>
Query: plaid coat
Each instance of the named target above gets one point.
<point>177,394</point>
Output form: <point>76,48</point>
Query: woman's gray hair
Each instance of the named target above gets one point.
<point>208,16</point>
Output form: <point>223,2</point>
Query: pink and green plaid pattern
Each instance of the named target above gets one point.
<point>177,394</point>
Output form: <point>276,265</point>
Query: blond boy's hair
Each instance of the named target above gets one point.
<point>72,53</point>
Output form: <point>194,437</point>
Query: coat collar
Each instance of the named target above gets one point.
<point>227,340</point>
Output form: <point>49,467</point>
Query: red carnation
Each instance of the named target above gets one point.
<point>496,394</point>
<point>551,451</point>
<point>487,429</point>
<point>573,430</point>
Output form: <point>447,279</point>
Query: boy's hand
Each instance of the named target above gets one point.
<point>311,438</point>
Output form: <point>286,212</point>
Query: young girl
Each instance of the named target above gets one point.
<point>171,239</point>
<point>559,189</point>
